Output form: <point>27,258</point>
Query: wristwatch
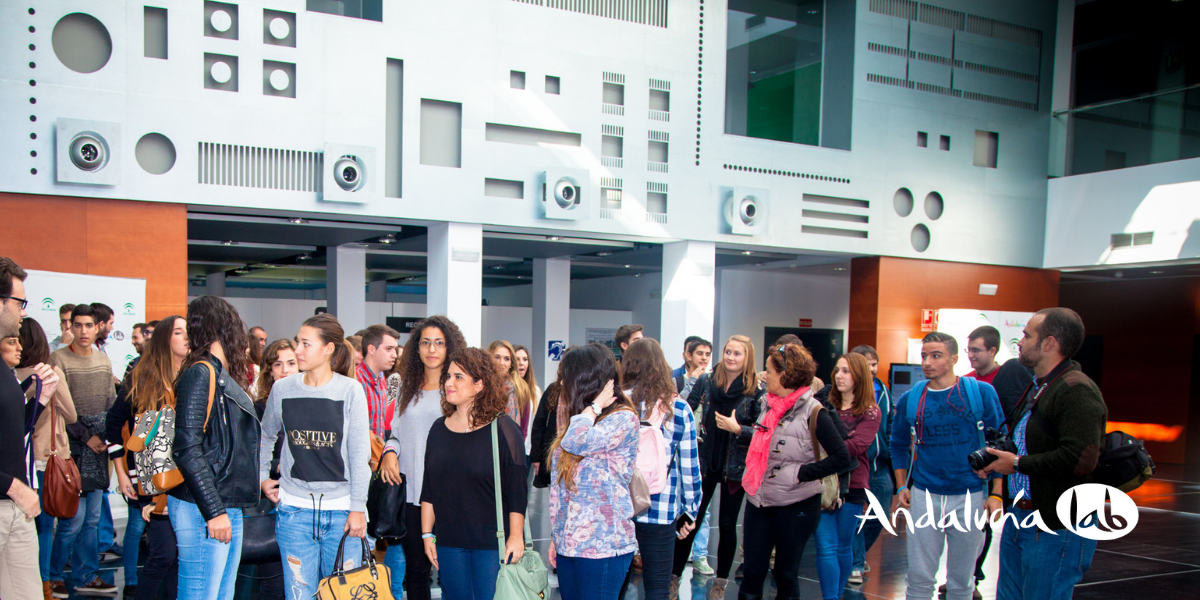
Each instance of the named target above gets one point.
<point>596,409</point>
<point>1016,461</point>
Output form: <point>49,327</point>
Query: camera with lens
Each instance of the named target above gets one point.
<point>992,439</point>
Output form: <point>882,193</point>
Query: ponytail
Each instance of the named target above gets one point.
<point>342,360</point>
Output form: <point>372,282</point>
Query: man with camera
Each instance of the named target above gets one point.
<point>1059,428</point>
<point>939,423</point>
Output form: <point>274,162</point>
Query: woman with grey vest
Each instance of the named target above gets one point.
<point>783,477</point>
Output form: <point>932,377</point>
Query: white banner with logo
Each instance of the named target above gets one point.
<point>47,290</point>
<point>960,322</point>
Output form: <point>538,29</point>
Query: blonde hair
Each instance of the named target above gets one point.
<point>524,392</point>
<point>722,377</point>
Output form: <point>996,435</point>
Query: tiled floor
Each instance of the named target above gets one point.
<point>1159,560</point>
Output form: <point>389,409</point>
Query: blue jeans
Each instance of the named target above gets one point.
<point>45,529</point>
<point>308,545</point>
<point>835,542</point>
<point>77,538</point>
<point>394,561</point>
<point>469,574</point>
<point>881,486</point>
<point>700,546</point>
<point>106,536</point>
<point>592,578</point>
<point>134,526</point>
<point>207,568</point>
<point>1035,564</point>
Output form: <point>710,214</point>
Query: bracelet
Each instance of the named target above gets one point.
<point>429,536</point>
<point>901,488</point>
<point>996,497</point>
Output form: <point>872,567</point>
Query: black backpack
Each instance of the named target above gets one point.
<point>1124,462</point>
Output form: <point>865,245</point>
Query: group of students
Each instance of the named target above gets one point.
<point>297,428</point>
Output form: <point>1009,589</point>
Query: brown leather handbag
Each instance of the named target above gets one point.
<point>60,488</point>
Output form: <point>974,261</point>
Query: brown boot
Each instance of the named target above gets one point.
<point>674,593</point>
<point>718,589</point>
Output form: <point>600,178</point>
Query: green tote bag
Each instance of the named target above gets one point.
<point>528,578</point>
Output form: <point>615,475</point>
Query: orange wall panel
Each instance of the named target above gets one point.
<point>93,236</point>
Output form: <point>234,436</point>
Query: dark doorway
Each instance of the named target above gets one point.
<point>1091,357</point>
<point>825,345</point>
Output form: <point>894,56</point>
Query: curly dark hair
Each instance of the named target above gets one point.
<point>412,374</point>
<point>794,363</point>
<point>492,400</point>
<point>212,319</point>
<point>645,372</point>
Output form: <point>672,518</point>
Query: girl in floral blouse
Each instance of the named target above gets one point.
<point>592,537</point>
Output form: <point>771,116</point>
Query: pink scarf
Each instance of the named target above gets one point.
<point>760,445</point>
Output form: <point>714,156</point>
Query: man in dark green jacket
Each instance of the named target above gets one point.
<point>1057,449</point>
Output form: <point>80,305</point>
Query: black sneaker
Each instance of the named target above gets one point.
<point>740,572</point>
<point>130,591</point>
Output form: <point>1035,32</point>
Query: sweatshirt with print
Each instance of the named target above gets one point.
<point>327,442</point>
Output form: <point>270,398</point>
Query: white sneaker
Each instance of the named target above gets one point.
<point>701,567</point>
<point>856,577</point>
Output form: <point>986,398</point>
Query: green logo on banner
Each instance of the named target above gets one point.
<point>48,304</point>
<point>129,308</point>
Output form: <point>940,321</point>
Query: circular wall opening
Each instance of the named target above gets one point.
<point>220,20</point>
<point>903,202</point>
<point>280,80</point>
<point>81,43</point>
<point>934,205</point>
<point>279,28</point>
<point>920,237</point>
<point>155,153</point>
<point>220,72</point>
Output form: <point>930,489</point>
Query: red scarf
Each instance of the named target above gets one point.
<point>760,445</point>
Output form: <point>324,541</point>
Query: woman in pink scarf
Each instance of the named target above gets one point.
<point>783,477</point>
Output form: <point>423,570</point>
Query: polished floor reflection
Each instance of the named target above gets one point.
<point>1160,559</point>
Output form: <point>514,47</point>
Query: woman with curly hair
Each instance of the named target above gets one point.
<point>592,463</point>
<point>216,450</point>
<point>418,406</point>
<point>460,502</point>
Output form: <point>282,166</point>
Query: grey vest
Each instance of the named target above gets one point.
<point>791,448</point>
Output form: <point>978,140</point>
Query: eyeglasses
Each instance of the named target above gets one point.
<point>23,302</point>
<point>426,344</point>
<point>976,350</point>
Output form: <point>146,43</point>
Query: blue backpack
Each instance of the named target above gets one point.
<point>974,403</point>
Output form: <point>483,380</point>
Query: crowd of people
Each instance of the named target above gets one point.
<point>632,452</point>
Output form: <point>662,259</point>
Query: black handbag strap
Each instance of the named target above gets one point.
<point>339,568</point>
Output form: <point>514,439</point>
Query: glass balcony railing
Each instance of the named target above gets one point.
<point>1148,129</point>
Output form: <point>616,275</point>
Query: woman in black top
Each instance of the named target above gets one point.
<point>458,500</point>
<point>730,400</point>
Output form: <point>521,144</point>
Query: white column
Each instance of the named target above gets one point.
<point>689,293</point>
<point>455,276</point>
<point>214,284</point>
<point>551,313</point>
<point>377,291</point>
<point>1060,89</point>
<point>345,285</point>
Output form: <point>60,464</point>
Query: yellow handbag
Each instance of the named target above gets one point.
<point>369,581</point>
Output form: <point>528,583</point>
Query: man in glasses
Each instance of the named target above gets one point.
<point>18,502</point>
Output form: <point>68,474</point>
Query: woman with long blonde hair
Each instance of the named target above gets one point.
<point>729,397</point>
<point>520,396</point>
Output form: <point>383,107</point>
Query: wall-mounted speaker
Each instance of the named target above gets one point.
<point>349,174</point>
<point>564,194</point>
<point>87,152</point>
<point>744,210</point>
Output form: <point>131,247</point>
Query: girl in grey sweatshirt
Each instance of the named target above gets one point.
<point>324,466</point>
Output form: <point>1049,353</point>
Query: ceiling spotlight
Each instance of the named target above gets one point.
<point>627,266</point>
<point>604,254</point>
<point>298,280</point>
<point>839,268</point>
<point>554,238</point>
<point>747,252</point>
<point>228,243</point>
<point>305,256</point>
<point>1157,272</point>
<point>497,267</point>
<point>388,239</point>
<point>297,221</point>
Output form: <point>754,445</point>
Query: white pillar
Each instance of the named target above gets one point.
<point>551,313</point>
<point>214,284</point>
<point>377,291</point>
<point>345,281</point>
<point>1060,89</point>
<point>455,276</point>
<point>689,294</point>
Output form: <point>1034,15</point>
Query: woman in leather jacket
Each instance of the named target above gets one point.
<point>216,450</point>
<point>730,399</point>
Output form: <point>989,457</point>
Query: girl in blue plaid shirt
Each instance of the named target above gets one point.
<point>673,511</point>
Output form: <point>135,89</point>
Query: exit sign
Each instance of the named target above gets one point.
<point>806,322</point>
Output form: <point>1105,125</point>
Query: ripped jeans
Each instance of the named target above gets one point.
<point>308,544</point>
